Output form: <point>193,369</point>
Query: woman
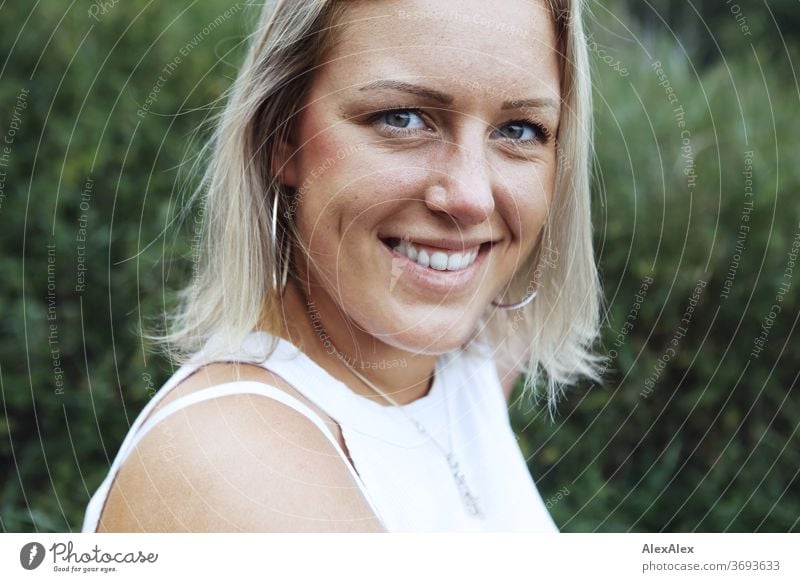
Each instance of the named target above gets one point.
<point>397,226</point>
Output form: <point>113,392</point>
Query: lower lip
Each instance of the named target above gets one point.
<point>432,280</point>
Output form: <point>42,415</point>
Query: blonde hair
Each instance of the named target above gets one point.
<point>233,287</point>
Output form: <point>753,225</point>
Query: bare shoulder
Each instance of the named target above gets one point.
<point>239,463</point>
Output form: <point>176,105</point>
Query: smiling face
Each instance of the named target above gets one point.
<point>425,163</point>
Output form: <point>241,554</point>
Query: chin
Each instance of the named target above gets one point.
<point>431,335</point>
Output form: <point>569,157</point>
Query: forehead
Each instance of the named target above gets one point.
<point>471,46</point>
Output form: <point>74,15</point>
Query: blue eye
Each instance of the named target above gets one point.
<point>402,119</point>
<point>405,122</point>
<point>522,131</point>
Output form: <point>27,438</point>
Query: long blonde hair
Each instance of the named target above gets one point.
<point>233,288</point>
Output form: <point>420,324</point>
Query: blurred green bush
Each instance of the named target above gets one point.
<point>708,440</point>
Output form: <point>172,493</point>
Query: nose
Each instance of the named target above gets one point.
<point>461,186</point>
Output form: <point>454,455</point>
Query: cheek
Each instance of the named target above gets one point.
<point>379,184</point>
<point>530,194</point>
<point>356,187</point>
<point>323,175</point>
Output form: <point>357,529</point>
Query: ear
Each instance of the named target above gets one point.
<point>285,163</point>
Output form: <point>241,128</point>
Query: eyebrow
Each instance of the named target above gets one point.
<point>445,99</point>
<point>419,90</point>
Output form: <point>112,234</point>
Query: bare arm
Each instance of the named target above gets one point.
<point>237,463</point>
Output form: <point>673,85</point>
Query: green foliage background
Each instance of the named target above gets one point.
<point>713,446</point>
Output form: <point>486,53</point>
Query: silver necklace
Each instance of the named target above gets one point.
<point>469,499</point>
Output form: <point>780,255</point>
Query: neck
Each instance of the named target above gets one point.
<point>319,329</point>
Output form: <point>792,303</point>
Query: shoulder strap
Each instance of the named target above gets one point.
<point>246,387</point>
<point>230,389</point>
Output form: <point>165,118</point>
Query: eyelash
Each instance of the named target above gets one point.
<point>542,139</point>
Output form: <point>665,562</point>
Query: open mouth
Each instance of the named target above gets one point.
<point>436,258</point>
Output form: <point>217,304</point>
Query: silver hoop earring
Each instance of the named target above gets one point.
<point>518,305</point>
<point>281,264</point>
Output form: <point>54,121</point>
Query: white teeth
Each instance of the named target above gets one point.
<point>454,262</point>
<point>438,260</point>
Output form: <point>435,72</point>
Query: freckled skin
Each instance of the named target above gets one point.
<point>456,176</point>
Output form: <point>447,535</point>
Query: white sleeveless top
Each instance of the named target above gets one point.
<point>404,477</point>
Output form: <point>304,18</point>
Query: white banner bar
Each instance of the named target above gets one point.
<point>401,557</point>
